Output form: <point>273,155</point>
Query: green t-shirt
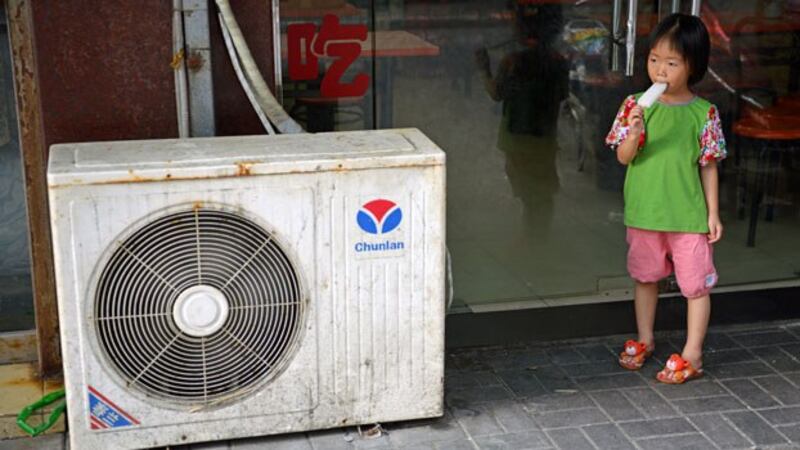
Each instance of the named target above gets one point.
<point>663,189</point>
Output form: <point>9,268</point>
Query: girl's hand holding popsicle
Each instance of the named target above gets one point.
<point>636,121</point>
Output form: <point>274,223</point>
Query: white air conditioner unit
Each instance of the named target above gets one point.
<point>229,287</point>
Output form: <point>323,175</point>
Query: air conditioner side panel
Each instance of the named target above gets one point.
<point>381,320</point>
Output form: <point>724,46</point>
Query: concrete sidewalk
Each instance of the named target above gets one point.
<point>573,395</point>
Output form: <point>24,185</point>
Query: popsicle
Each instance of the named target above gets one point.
<point>651,95</point>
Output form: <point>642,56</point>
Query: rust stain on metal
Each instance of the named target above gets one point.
<point>130,88</point>
<point>33,147</point>
<point>195,61</point>
<point>241,169</point>
<point>244,167</point>
<point>135,178</point>
<point>197,205</point>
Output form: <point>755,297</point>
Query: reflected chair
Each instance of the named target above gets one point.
<point>772,134</point>
<point>326,114</point>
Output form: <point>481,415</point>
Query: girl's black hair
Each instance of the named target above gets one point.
<point>689,37</point>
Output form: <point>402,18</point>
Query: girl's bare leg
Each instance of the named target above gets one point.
<point>645,302</point>
<point>697,316</point>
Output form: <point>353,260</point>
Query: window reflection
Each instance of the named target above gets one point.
<point>520,95</point>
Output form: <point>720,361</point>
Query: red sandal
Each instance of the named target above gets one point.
<point>634,355</point>
<point>678,371</point>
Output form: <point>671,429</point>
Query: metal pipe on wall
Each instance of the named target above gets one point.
<point>179,68</point>
<point>696,7</point>
<point>197,42</point>
<point>616,35</point>
<point>276,49</point>
<point>630,40</point>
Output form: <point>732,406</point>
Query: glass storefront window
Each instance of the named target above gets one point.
<point>16,299</point>
<point>520,95</point>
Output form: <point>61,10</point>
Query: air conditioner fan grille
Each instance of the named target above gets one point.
<point>198,307</point>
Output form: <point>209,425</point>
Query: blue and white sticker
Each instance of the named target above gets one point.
<point>103,413</point>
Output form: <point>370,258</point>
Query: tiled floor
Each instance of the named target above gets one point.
<point>572,395</point>
<point>19,387</point>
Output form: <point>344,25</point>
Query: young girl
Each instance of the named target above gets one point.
<point>671,191</point>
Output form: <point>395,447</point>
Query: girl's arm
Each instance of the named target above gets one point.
<point>710,179</point>
<point>630,146</point>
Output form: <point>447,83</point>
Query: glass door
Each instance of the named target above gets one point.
<point>521,93</point>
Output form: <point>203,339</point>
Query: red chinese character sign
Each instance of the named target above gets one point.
<point>341,43</point>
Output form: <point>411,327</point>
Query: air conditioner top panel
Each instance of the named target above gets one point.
<point>198,158</point>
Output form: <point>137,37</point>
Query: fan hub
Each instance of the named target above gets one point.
<point>200,310</point>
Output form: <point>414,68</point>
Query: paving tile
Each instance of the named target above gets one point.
<point>711,359</point>
<point>709,404</point>
<point>416,446</point>
<point>716,428</point>
<point>719,341</point>
<point>785,392</point>
<point>608,436</point>
<point>741,370</point>
<point>340,439</point>
<point>519,359</point>
<point>553,379</point>
<point>570,439</point>
<point>512,416</point>
<point>47,442</point>
<point>596,352</point>
<point>10,429</point>
<point>694,441</point>
<point>461,397</point>
<point>296,441</point>
<point>658,427</point>
<point>475,359</point>
<point>18,387</point>
<point>424,431</point>
<point>604,367</point>
<point>781,416</point>
<point>615,381</point>
<point>755,428</point>
<point>514,441</point>
<point>750,393</point>
<point>777,358</point>
<point>650,369</point>
<point>477,420</point>
<point>558,402</point>
<point>762,338</point>
<point>792,349</point>
<point>565,355</point>
<point>792,432</point>
<point>461,379</point>
<point>523,383</point>
<point>570,418</point>
<point>650,403</point>
<point>697,388</point>
<point>462,444</point>
<point>616,405</point>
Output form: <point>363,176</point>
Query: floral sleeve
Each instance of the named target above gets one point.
<point>712,142</point>
<point>620,128</point>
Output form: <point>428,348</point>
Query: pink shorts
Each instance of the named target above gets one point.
<point>653,254</point>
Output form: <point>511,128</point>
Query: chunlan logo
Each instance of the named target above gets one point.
<point>379,217</point>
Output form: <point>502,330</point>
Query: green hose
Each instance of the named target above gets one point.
<point>46,400</point>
